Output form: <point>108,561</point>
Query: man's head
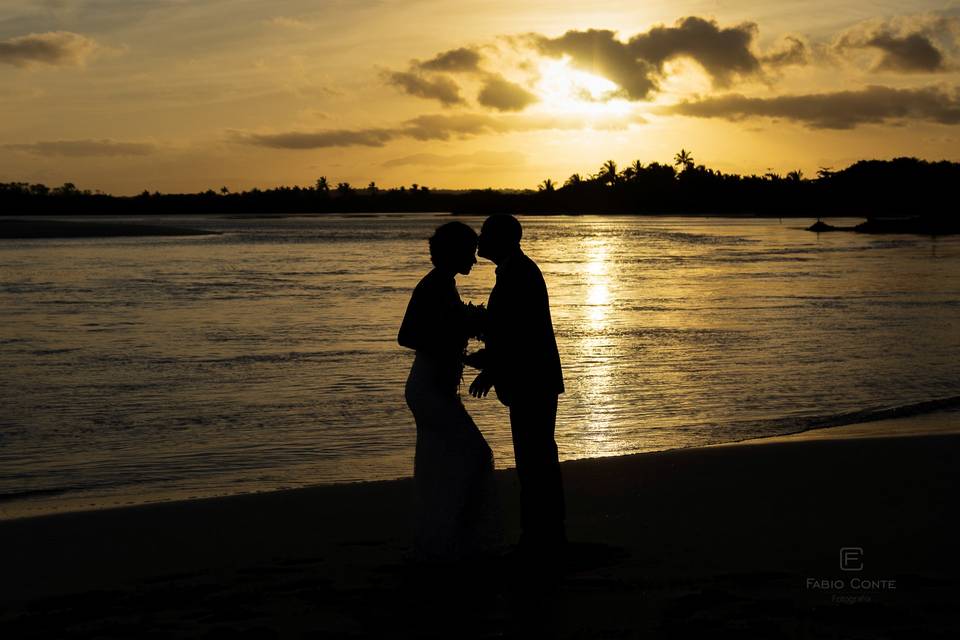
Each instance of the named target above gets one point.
<point>499,237</point>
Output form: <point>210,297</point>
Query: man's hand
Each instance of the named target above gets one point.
<point>480,386</point>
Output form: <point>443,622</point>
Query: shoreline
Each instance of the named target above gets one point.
<point>18,229</point>
<point>943,420</point>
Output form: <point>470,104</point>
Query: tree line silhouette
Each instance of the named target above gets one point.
<point>868,188</point>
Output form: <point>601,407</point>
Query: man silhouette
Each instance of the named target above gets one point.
<point>521,362</point>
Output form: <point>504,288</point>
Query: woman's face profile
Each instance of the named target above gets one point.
<point>466,258</point>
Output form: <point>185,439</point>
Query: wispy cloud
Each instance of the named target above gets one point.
<point>85,148</point>
<point>55,48</point>
<point>792,51</point>
<point>318,139</point>
<point>915,43</point>
<point>476,159</point>
<point>461,59</point>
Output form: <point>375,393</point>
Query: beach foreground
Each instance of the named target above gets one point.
<point>846,536</point>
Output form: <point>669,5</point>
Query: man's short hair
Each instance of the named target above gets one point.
<point>504,227</point>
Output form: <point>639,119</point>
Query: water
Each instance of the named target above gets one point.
<point>144,369</point>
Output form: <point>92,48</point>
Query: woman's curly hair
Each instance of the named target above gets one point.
<point>450,241</point>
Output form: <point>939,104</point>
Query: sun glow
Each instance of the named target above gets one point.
<point>570,91</point>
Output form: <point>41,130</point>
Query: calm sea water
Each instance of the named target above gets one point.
<point>142,369</point>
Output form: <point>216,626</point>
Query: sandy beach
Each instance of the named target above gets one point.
<point>739,540</point>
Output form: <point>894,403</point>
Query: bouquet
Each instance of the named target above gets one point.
<point>475,320</point>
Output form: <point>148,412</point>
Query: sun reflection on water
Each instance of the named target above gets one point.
<point>597,303</point>
<point>596,351</point>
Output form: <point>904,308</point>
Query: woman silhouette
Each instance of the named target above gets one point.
<point>457,515</point>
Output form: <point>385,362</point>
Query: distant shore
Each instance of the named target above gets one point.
<point>740,539</point>
<point>44,228</point>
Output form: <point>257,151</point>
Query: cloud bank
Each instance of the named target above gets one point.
<point>839,110</point>
<point>426,127</point>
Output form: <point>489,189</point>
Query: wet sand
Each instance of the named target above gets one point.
<point>736,540</point>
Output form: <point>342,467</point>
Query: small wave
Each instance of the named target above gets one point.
<point>31,493</point>
<point>48,352</point>
<point>800,424</point>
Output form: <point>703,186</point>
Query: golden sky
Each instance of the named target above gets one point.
<point>185,95</point>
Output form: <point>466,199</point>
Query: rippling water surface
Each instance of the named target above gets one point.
<point>140,369</point>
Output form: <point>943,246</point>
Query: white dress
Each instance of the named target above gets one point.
<point>457,512</point>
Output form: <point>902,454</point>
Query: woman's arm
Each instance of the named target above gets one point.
<point>435,321</point>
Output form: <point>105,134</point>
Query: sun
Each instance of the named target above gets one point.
<point>563,89</point>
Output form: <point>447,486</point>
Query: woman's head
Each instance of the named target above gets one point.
<point>453,247</point>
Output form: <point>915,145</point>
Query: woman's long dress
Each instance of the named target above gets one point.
<point>457,508</point>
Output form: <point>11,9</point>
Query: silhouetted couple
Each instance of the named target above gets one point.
<point>458,513</point>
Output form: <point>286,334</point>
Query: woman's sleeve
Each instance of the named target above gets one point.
<point>411,329</point>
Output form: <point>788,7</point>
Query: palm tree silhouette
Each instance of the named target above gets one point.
<point>573,180</point>
<point>608,173</point>
<point>546,186</point>
<point>684,159</point>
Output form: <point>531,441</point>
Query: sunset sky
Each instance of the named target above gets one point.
<point>185,95</point>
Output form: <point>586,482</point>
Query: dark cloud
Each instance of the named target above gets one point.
<point>914,52</point>
<point>793,51</point>
<point>840,110</point>
<point>501,94</point>
<point>439,88</point>
<point>598,51</point>
<point>426,127</point>
<point>722,52</point>
<point>57,48</point>
<point>462,59</point>
<point>85,148</point>
<point>637,65</point>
